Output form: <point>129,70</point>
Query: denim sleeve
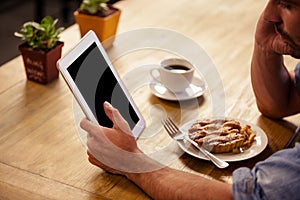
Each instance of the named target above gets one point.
<point>277,177</point>
<point>297,77</point>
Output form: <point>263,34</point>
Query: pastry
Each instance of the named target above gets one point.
<point>221,135</point>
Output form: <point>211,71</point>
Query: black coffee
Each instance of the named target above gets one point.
<point>177,68</point>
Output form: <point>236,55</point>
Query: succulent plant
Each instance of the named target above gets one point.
<point>43,35</point>
<point>93,6</point>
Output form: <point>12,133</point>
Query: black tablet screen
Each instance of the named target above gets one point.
<point>97,84</point>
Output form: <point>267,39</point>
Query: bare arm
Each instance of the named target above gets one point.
<point>168,183</point>
<point>273,85</point>
<point>115,150</point>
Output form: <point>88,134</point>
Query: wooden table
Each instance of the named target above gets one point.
<point>41,154</point>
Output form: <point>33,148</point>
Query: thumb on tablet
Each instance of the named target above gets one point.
<point>114,115</point>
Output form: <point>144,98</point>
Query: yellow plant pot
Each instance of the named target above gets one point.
<point>104,27</point>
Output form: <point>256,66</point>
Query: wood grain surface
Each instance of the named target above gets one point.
<point>42,155</point>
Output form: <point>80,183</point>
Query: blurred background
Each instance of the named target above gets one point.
<point>13,13</point>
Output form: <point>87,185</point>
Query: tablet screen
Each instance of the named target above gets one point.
<point>97,84</point>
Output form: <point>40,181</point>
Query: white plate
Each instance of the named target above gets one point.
<point>259,144</point>
<point>195,90</point>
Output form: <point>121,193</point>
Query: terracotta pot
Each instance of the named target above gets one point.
<point>40,66</point>
<point>104,27</point>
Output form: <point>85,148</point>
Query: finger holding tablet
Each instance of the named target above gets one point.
<point>93,80</point>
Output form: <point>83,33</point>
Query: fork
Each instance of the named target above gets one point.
<point>175,133</point>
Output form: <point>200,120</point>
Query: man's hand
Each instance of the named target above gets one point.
<point>271,38</point>
<point>111,148</point>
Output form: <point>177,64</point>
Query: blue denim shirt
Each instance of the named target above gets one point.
<point>277,177</point>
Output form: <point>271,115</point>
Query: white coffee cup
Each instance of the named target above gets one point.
<point>174,73</point>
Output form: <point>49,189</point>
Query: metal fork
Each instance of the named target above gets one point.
<point>178,135</point>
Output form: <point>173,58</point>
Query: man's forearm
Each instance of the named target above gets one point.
<point>271,83</point>
<point>167,183</point>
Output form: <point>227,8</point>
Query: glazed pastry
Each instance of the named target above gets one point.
<point>221,135</point>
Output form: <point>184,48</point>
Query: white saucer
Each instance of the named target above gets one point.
<point>196,89</point>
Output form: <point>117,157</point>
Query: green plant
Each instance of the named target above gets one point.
<point>93,6</point>
<point>40,36</point>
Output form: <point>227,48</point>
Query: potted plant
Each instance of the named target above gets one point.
<point>99,16</point>
<point>41,49</point>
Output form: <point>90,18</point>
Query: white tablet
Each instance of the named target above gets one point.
<point>92,79</point>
